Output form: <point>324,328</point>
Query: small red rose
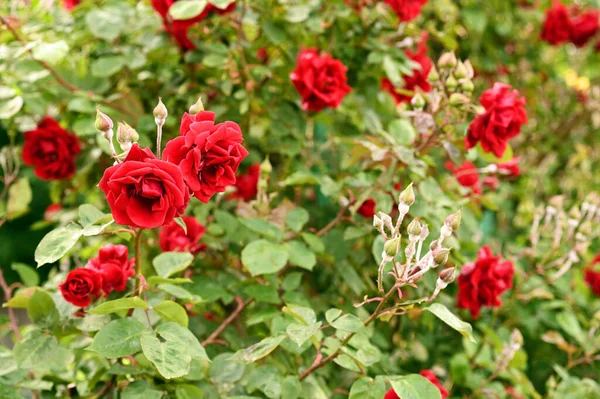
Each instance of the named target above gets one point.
<point>592,277</point>
<point>584,26</point>
<point>407,10</point>
<point>491,182</point>
<point>557,25</point>
<point>209,155</point>
<point>320,80</point>
<point>81,287</point>
<point>367,208</point>
<point>143,191</point>
<point>502,120</point>
<point>510,168</point>
<point>247,184</point>
<point>174,238</point>
<point>481,283</point>
<point>466,175</point>
<point>51,211</point>
<point>51,150</point>
<point>114,265</point>
<point>70,4</point>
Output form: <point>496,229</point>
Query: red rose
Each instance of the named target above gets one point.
<point>217,10</point>
<point>114,265</point>
<point>584,27</point>
<point>144,191</point>
<point>466,174</point>
<point>81,287</point>
<point>418,79</point>
<point>407,10</point>
<point>431,377</point>
<point>491,181</point>
<point>208,154</point>
<point>481,283</point>
<point>367,208</point>
<point>510,168</point>
<point>70,4</point>
<point>262,55</point>
<point>557,26</point>
<point>592,277</point>
<point>173,238</point>
<point>320,80</point>
<point>502,120</point>
<point>51,150</point>
<point>177,28</point>
<point>51,211</point>
<point>246,185</point>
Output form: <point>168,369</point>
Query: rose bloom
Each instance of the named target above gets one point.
<point>209,155</point>
<point>407,10</point>
<point>173,238</point>
<point>51,150</point>
<point>592,277</point>
<point>51,211</point>
<point>70,4</point>
<point>418,79</point>
<point>557,25</point>
<point>510,168</point>
<point>367,208</point>
<point>81,287</point>
<point>114,265</point>
<point>584,27</point>
<point>491,182</point>
<point>247,184</point>
<point>481,283</point>
<point>502,120</point>
<point>143,191</point>
<point>431,377</point>
<point>320,80</point>
<point>466,175</point>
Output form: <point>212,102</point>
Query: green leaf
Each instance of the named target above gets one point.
<point>19,198</point>
<point>348,322</point>
<point>172,311</point>
<point>449,318</point>
<point>391,70</point>
<point>9,108</point>
<point>415,386</point>
<point>297,13</point>
<point>155,280</point>
<point>224,370</point>
<point>9,392</point>
<point>93,220</point>
<point>181,224</point>
<point>569,323</point>
<point>402,131</point>
<point>42,352</point>
<point>141,390</point>
<point>118,305</point>
<point>264,257</point>
<point>21,298</point>
<point>300,255</point>
<point>258,350</point>
<point>296,219</point>
<point>491,158</point>
<point>51,53</point>
<point>187,9</point>
<point>107,66</point>
<point>118,338</point>
<point>41,309</point>
<point>57,243</point>
<point>105,23</point>
<point>367,388</point>
<point>179,292</point>
<point>332,314</point>
<point>170,263</point>
<point>187,391</point>
<point>263,227</point>
<point>314,242</point>
<point>27,274</point>
<point>299,333</point>
<point>263,293</point>
<point>222,4</point>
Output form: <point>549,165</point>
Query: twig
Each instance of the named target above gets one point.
<point>11,313</point>
<point>59,79</point>
<point>333,223</point>
<point>212,338</point>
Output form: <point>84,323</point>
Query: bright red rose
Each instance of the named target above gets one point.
<point>502,120</point>
<point>431,377</point>
<point>209,155</point>
<point>491,181</point>
<point>584,27</point>
<point>51,211</point>
<point>466,174</point>
<point>367,208</point>
<point>51,150</point>
<point>510,168</point>
<point>407,10</point>
<point>481,283</point>
<point>592,277</point>
<point>418,79</point>
<point>320,80</point>
<point>81,287</point>
<point>557,26</point>
<point>70,4</point>
<point>247,184</point>
<point>143,191</point>
<point>114,265</point>
<point>173,238</point>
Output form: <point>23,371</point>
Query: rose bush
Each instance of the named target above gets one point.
<point>299,200</point>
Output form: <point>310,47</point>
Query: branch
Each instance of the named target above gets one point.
<point>212,338</point>
<point>11,313</point>
<point>333,223</point>
<point>59,79</point>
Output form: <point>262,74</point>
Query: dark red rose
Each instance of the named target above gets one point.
<point>584,27</point>
<point>81,287</point>
<point>592,277</point>
<point>144,191</point>
<point>114,265</point>
<point>367,208</point>
<point>466,175</point>
<point>557,26</point>
<point>209,155</point>
<point>70,4</point>
<point>510,168</point>
<point>173,238</point>
<point>481,283</point>
<point>418,79</point>
<point>407,10</point>
<point>247,184</point>
<point>262,55</point>
<point>51,211</point>
<point>502,120</point>
<point>431,377</point>
<point>320,80</point>
<point>213,9</point>
<point>51,150</point>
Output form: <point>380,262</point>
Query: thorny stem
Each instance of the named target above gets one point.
<point>241,305</point>
<point>11,313</point>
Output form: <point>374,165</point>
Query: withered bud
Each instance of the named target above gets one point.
<point>391,246</point>
<point>447,60</point>
<point>407,196</point>
<point>457,99</point>
<point>103,122</point>
<point>414,228</point>
<point>453,221</point>
<point>448,275</point>
<point>377,223</point>
<point>418,101</point>
<point>386,219</point>
<point>440,256</point>
<point>197,107</point>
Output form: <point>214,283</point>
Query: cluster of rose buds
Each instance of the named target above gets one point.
<point>555,227</point>
<point>415,264</point>
<point>126,135</point>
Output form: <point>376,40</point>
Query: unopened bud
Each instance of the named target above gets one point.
<point>574,213</point>
<point>414,227</point>
<point>461,71</point>
<point>447,60</point>
<point>557,201</point>
<point>391,246</point>
<point>197,107</point>
<point>266,167</point>
<point>103,122</point>
<point>160,113</point>
<point>448,275</point>
<point>407,196</point>
<point>377,222</point>
<point>467,85</point>
<point>469,68</point>
<point>434,76</point>
<point>126,135</point>
<point>418,101</point>
<point>457,99</point>
<point>453,221</point>
<point>440,256</point>
<point>451,82</point>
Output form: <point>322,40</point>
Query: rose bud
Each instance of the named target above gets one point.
<point>160,113</point>
<point>440,256</point>
<point>407,196</point>
<point>447,60</point>
<point>197,107</point>
<point>453,221</point>
<point>391,246</point>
